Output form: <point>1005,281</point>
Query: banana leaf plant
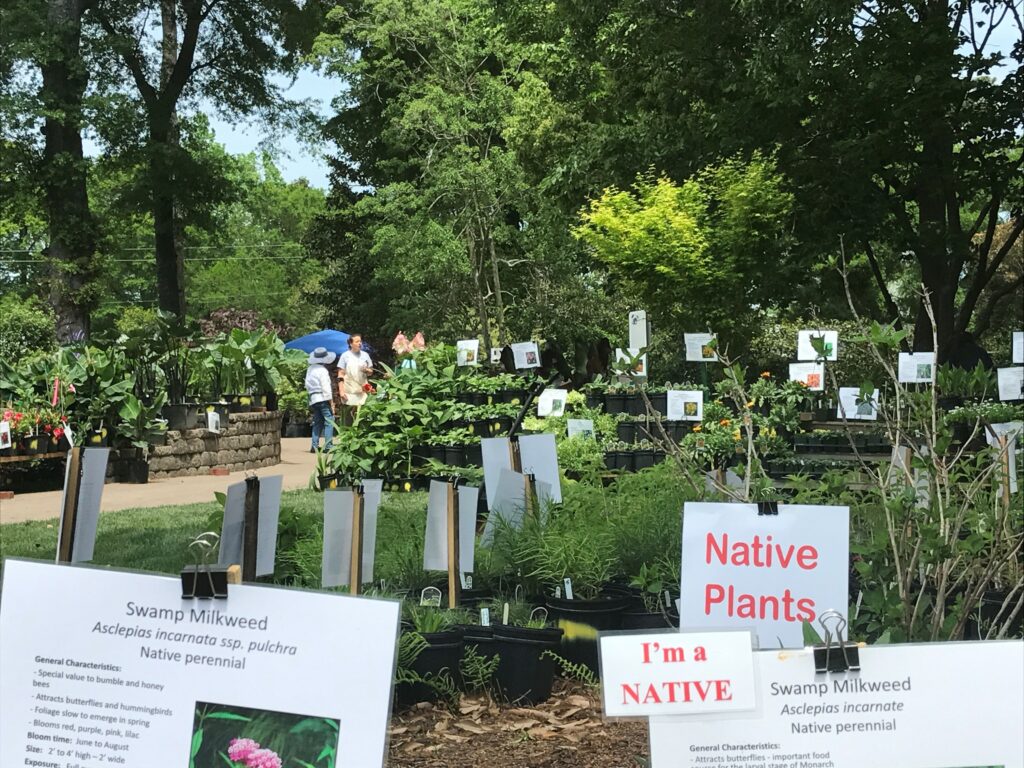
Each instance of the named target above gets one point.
<point>140,423</point>
<point>176,346</point>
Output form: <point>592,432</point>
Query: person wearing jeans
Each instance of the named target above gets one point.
<point>321,397</point>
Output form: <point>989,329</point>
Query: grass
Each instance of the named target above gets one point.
<point>156,538</point>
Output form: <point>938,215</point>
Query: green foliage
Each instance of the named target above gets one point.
<point>26,328</point>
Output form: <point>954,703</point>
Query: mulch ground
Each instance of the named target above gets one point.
<point>567,731</point>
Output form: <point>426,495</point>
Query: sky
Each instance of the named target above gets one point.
<point>295,159</point>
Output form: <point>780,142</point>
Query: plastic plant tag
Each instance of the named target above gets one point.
<point>568,588</point>
<point>485,617</point>
<point>5,435</point>
<point>504,614</point>
<point>558,593</point>
<point>430,597</point>
<point>213,421</point>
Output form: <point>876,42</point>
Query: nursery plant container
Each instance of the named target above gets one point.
<point>443,653</point>
<point>595,400</point>
<point>454,455</point>
<point>474,455</point>
<point>181,416</point>
<point>96,438</point>
<point>626,431</point>
<point>643,459</point>
<point>328,482</point>
<point>526,671</point>
<point>501,425</point>
<point>635,405</point>
<point>624,460</point>
<point>239,403</point>
<point>221,409</point>
<point>32,445</point>
<point>513,396</point>
<point>659,402</point>
<point>296,429</point>
<point>437,453</point>
<point>580,622</point>
<point>136,469</point>
<point>642,620</point>
<point>480,639</point>
<point>420,455</point>
<point>615,402</point>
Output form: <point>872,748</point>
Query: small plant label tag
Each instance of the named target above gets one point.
<point>558,592</point>
<point>667,596</point>
<point>485,617</point>
<point>568,588</point>
<point>5,435</point>
<point>466,579</point>
<point>504,614</point>
<point>430,597</point>
<point>213,421</point>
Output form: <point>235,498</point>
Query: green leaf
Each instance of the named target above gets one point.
<point>197,742</point>
<point>229,716</point>
<point>811,636</point>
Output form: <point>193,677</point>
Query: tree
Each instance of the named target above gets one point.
<point>226,51</point>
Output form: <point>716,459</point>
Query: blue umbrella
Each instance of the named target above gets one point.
<point>331,340</point>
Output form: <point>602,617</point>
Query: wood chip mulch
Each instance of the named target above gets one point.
<point>567,731</point>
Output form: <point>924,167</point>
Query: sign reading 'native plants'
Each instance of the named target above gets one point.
<point>768,572</point>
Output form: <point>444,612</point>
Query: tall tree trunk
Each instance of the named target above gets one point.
<point>479,292</point>
<point>167,230</point>
<point>71,227</point>
<point>496,277</point>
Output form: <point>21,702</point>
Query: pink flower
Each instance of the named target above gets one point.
<point>263,758</point>
<point>8,415</point>
<point>400,344</point>
<point>241,750</point>
<point>71,388</point>
<point>418,342</point>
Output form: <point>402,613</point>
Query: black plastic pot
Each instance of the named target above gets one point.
<point>480,639</point>
<point>420,455</point>
<point>474,455</point>
<point>595,399</point>
<point>514,396</point>
<point>646,620</point>
<point>580,622</point>
<point>443,653</point>
<point>659,402</point>
<point>437,453</point>
<point>626,431</point>
<point>501,425</point>
<point>96,438</point>
<point>295,429</point>
<point>136,471</point>
<point>526,671</point>
<point>455,455</point>
<point>643,459</point>
<point>33,445</point>
<point>239,403</point>
<point>181,416</point>
<point>635,405</point>
<point>615,402</point>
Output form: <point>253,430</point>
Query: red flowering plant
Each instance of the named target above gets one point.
<point>21,420</point>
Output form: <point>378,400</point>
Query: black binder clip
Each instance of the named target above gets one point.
<point>203,580</point>
<point>767,508</point>
<point>836,654</point>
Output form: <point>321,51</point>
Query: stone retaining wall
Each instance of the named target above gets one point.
<point>250,440</point>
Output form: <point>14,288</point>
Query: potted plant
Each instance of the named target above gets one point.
<point>175,342</point>
<point>525,647</point>
<point>141,426</point>
<point>438,655</point>
<point>648,609</point>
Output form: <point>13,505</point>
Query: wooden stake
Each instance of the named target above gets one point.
<point>234,574</point>
<point>250,528</point>
<point>531,496</point>
<point>355,571</point>
<point>69,515</point>
<point>515,456</point>
<point>1004,460</point>
<point>454,580</point>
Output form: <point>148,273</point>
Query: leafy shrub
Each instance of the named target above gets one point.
<point>26,327</point>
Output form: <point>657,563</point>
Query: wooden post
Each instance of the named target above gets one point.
<point>515,458</point>
<point>1004,461</point>
<point>69,515</point>
<point>234,574</point>
<point>454,575</point>
<point>355,572</point>
<point>531,496</point>
<point>250,528</point>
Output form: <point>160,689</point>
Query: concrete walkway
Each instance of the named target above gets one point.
<point>297,464</point>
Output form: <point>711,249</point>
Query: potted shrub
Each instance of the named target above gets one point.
<point>437,657</point>
<point>141,426</point>
<point>525,648</point>
<point>564,550</point>
<point>647,609</point>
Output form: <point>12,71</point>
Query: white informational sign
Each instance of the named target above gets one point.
<point>769,573</point>
<point>90,496</point>
<point>638,367</point>
<point>270,511</point>
<point>1011,383</point>
<point>467,352</point>
<point>676,673</point>
<point>539,457</point>
<point>509,504</point>
<point>337,554</point>
<point>5,435</point>
<point>232,532</point>
<point>811,375</point>
<point>551,402</point>
<point>119,670</point>
<point>1017,348</point>
<point>496,457</point>
<point>526,355</point>
<point>638,329</point>
<point>1012,431</point>
<point>580,428</point>
<point>916,367</point>
<point>699,349</point>
<point>685,405</point>
<point>805,346</point>
<point>851,410</point>
<point>904,707</point>
<point>230,549</point>
<point>435,549</point>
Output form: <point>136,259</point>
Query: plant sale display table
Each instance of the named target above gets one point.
<point>108,668</point>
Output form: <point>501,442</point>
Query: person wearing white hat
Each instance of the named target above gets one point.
<point>321,397</point>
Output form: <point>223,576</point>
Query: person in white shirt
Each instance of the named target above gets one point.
<point>354,369</point>
<point>321,397</point>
